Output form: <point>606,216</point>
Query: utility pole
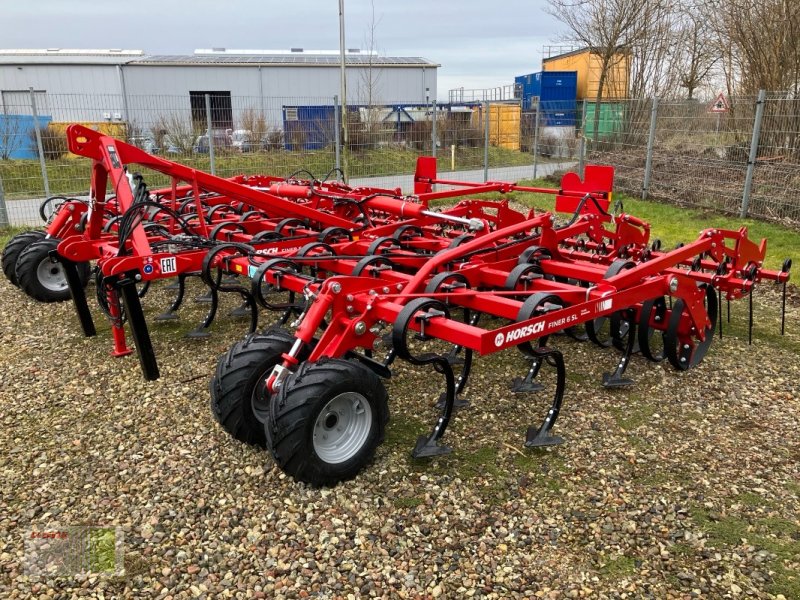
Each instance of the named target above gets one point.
<point>343,85</point>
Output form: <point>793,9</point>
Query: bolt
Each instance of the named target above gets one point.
<point>399,286</point>
<point>360,328</point>
<point>349,297</point>
<point>673,285</point>
<point>336,287</point>
<point>138,277</point>
<point>386,290</point>
<point>349,308</point>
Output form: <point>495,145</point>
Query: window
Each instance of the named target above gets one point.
<point>221,110</point>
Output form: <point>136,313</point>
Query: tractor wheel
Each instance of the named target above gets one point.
<point>42,277</point>
<point>14,247</point>
<point>327,420</point>
<point>237,397</point>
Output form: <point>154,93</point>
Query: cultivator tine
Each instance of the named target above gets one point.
<point>171,313</point>
<point>719,308</point>
<point>615,379</point>
<point>243,310</point>
<point>138,325</point>
<point>750,318</point>
<point>460,381</point>
<point>785,268</point>
<point>429,446</point>
<point>201,331</point>
<point>524,385</point>
<point>79,294</point>
<point>540,438</point>
<point>206,298</point>
<point>783,309</point>
<point>421,310</point>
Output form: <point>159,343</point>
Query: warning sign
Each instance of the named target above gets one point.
<point>720,105</point>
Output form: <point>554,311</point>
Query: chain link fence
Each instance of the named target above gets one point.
<point>745,160</point>
<point>229,135</point>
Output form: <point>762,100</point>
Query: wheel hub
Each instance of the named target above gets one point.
<point>51,275</point>
<point>342,427</point>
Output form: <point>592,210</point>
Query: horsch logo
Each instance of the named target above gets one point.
<point>519,333</point>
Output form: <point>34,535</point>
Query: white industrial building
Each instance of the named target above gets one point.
<point>130,86</point>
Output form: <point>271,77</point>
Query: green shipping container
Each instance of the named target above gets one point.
<point>612,119</point>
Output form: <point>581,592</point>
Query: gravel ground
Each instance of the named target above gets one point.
<point>686,485</point>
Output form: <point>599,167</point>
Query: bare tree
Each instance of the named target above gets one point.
<point>697,54</point>
<point>758,40</point>
<point>369,88</point>
<point>654,49</point>
<point>607,29</point>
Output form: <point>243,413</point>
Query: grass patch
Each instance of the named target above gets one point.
<point>622,566</point>
<point>22,178</point>
<point>635,413</point>
<point>673,224</point>
<point>778,536</point>
<point>6,233</point>
<point>407,502</point>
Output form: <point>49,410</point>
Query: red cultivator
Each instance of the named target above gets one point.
<point>358,270</point>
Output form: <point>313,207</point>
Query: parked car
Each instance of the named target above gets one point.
<point>242,140</point>
<point>146,143</point>
<point>221,140</point>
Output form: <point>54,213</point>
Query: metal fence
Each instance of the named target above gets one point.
<point>376,144</point>
<point>743,161</point>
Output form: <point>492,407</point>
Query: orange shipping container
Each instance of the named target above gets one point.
<point>504,124</point>
<point>115,130</point>
<point>589,68</point>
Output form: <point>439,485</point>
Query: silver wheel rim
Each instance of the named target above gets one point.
<point>342,427</point>
<point>51,275</point>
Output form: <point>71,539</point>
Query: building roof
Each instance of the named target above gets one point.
<point>585,50</point>
<point>286,60</point>
<point>86,56</point>
<point>138,57</point>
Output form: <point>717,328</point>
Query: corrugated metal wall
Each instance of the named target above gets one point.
<point>165,89</point>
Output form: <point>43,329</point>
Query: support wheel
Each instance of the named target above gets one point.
<point>327,420</point>
<point>42,277</point>
<point>237,400</point>
<point>14,248</point>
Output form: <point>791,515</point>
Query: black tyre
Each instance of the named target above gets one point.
<point>327,420</point>
<point>42,277</point>
<point>237,395</point>
<point>14,248</point>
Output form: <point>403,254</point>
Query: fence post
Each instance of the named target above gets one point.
<point>651,140</point>
<point>486,142</point>
<point>4,222</point>
<point>40,148</point>
<point>536,140</point>
<point>338,135</point>
<point>751,161</point>
<point>582,145</point>
<point>433,132</point>
<point>209,134</point>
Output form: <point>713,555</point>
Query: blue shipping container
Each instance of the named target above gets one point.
<point>309,127</point>
<point>16,135</point>
<point>557,92</point>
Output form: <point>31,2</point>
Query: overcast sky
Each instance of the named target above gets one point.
<point>478,43</point>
